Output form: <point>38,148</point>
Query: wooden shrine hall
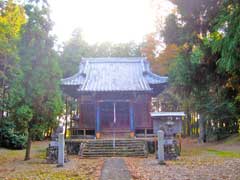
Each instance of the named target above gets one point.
<point>113,95</point>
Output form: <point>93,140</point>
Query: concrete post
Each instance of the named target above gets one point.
<point>161,147</point>
<point>61,144</point>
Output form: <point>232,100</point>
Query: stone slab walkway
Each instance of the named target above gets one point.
<point>115,169</point>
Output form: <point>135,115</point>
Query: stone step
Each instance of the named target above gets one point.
<point>119,145</point>
<point>116,147</point>
<point>113,150</point>
<point>110,146</point>
<point>114,155</point>
<point>126,143</point>
<point>117,141</point>
<point>100,148</point>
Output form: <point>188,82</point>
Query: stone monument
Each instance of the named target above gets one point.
<point>61,144</point>
<point>54,146</point>
<point>161,147</point>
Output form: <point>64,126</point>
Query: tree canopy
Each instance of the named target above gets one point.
<point>32,96</point>
<point>77,48</point>
<point>206,35</point>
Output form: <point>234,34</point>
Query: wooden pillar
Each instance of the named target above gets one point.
<point>81,120</point>
<point>97,128</point>
<point>132,128</point>
<point>149,109</point>
<point>79,114</point>
<point>145,132</point>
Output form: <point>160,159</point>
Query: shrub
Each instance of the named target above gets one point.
<point>10,138</point>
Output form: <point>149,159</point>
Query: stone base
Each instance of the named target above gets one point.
<point>52,155</point>
<point>98,135</point>
<point>60,165</point>
<point>161,162</point>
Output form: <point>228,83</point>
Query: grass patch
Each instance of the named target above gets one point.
<point>41,154</point>
<point>7,155</point>
<point>51,174</point>
<point>12,166</point>
<point>224,153</point>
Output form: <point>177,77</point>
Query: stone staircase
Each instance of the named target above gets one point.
<point>124,148</point>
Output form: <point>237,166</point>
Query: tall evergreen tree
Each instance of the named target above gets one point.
<point>195,73</point>
<point>40,97</point>
<point>12,17</point>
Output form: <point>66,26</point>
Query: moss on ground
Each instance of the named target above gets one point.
<point>227,154</point>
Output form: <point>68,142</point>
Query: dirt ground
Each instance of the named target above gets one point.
<point>212,161</point>
<point>12,166</point>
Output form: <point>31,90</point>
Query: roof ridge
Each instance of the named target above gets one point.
<point>114,59</point>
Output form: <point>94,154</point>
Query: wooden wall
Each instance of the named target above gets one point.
<point>142,107</point>
<point>141,103</point>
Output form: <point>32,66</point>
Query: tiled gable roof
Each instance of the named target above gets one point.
<point>114,74</point>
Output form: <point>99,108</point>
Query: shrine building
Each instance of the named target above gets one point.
<point>113,95</point>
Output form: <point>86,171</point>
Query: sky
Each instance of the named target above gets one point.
<point>106,20</point>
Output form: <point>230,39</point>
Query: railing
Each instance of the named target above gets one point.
<point>77,133</point>
<point>144,133</point>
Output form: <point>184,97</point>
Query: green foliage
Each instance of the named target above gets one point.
<point>11,20</point>
<point>77,48</point>
<point>228,26</point>
<point>183,70</point>
<point>171,36</point>
<point>41,73</point>
<point>33,97</point>
<point>205,72</point>
<point>10,138</point>
<point>73,51</point>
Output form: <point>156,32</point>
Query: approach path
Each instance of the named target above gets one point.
<point>115,169</point>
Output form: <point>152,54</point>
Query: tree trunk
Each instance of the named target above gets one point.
<point>3,100</point>
<point>29,143</point>
<point>202,134</point>
<point>3,88</point>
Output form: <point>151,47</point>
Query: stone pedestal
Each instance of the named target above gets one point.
<point>61,144</point>
<point>161,147</point>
